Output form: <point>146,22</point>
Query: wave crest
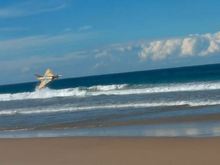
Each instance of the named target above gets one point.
<point>117,89</point>
<point>72,108</point>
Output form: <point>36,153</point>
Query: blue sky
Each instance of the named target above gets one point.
<point>88,37</point>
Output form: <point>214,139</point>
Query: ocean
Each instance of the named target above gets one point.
<point>176,102</point>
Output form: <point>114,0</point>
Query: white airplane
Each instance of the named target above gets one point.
<point>46,78</point>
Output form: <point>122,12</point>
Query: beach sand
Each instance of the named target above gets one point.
<point>110,151</point>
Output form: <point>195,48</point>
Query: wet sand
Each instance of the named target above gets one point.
<point>110,151</point>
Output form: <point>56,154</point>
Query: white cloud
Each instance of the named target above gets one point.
<point>85,28</point>
<point>159,49</point>
<point>124,48</point>
<point>99,65</point>
<point>31,7</point>
<point>39,41</point>
<point>193,45</point>
<point>114,50</point>
<point>36,60</point>
<point>101,53</point>
<point>187,46</point>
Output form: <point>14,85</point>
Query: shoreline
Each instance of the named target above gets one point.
<point>110,151</point>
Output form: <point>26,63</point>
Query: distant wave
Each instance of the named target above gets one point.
<point>118,89</point>
<point>50,93</point>
<point>72,108</point>
<point>107,87</point>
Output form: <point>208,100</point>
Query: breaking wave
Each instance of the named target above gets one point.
<point>72,108</point>
<point>118,89</point>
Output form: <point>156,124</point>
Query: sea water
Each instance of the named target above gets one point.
<point>167,102</point>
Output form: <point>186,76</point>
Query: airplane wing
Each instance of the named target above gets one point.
<point>48,73</point>
<point>44,82</point>
<point>47,78</point>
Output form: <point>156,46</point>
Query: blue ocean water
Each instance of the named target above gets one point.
<point>167,102</point>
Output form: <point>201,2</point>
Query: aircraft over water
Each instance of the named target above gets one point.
<point>48,77</point>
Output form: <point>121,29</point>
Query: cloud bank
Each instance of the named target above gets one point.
<point>192,45</point>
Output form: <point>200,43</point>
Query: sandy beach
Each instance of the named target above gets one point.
<point>110,151</point>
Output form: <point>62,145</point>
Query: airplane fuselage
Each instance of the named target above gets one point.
<point>46,78</point>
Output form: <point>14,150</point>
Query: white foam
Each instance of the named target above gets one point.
<point>108,87</point>
<point>42,94</point>
<point>116,89</point>
<point>165,130</point>
<point>72,108</point>
<point>163,89</point>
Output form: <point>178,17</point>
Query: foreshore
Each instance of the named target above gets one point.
<point>110,151</point>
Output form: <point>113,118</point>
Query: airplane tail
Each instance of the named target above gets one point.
<point>38,76</point>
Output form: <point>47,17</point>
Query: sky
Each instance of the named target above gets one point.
<point>91,37</point>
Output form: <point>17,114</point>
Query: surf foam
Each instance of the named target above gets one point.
<point>72,108</point>
<point>117,89</point>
